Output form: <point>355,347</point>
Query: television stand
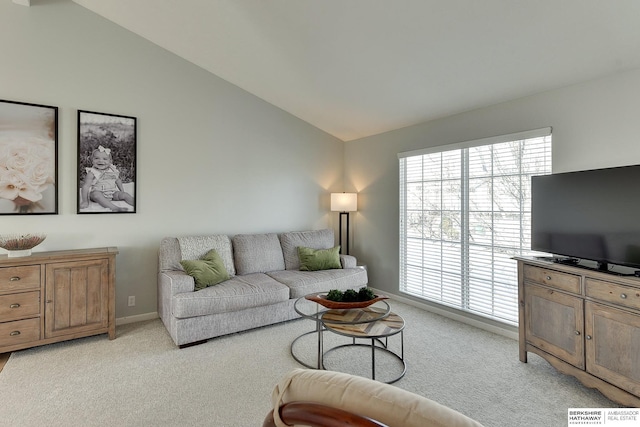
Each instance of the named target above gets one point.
<point>584,322</point>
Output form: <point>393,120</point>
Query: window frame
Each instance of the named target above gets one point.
<point>462,274</point>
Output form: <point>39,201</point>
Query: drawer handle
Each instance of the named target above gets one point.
<point>623,296</point>
<point>548,277</point>
<point>14,279</point>
<point>14,306</point>
<point>14,333</point>
<point>577,332</point>
<point>588,337</point>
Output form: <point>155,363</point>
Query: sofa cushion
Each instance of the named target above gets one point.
<point>207,271</point>
<point>319,259</point>
<point>237,293</point>
<point>195,247</point>
<point>302,283</point>
<point>315,239</point>
<point>257,253</point>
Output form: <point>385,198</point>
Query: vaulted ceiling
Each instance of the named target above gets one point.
<point>355,68</point>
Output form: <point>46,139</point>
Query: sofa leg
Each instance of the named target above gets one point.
<point>191,344</point>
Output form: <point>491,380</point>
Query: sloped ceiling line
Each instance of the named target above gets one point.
<point>356,68</point>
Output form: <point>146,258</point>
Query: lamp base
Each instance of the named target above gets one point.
<point>346,251</point>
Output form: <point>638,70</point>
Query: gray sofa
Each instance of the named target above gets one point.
<point>265,281</point>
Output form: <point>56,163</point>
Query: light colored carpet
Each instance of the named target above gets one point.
<point>142,379</point>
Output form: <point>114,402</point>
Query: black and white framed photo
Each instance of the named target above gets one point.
<point>106,163</point>
<point>28,158</point>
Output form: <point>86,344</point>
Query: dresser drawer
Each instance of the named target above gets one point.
<point>19,278</point>
<point>555,279</point>
<point>20,331</point>
<point>614,293</point>
<point>19,306</point>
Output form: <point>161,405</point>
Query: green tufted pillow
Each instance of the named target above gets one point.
<point>207,271</point>
<point>319,259</point>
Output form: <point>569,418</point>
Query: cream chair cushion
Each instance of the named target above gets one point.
<point>382,402</point>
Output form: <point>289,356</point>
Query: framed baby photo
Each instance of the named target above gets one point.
<point>106,163</point>
<point>28,159</point>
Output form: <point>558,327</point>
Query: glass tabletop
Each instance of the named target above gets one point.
<point>350,316</point>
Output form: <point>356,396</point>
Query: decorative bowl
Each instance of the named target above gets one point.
<point>322,300</point>
<point>21,244</point>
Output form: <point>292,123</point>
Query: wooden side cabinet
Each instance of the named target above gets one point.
<point>585,323</point>
<point>56,296</point>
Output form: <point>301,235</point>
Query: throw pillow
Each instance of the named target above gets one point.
<point>319,259</point>
<point>207,271</point>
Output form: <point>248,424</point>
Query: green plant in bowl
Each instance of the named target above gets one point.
<point>351,295</point>
<point>335,295</point>
<point>365,294</point>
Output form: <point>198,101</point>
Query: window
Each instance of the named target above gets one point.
<point>465,211</point>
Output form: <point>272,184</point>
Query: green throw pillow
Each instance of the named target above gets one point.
<point>319,259</point>
<point>207,271</point>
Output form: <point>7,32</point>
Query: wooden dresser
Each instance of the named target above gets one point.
<point>585,323</point>
<point>56,296</point>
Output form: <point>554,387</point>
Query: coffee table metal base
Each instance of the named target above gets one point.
<point>382,347</point>
<point>319,364</point>
<point>373,332</point>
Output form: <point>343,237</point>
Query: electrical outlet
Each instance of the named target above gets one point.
<point>132,301</point>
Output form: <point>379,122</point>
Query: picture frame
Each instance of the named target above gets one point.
<point>107,163</point>
<point>28,158</point>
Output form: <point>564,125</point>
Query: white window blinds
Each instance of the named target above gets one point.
<point>465,211</point>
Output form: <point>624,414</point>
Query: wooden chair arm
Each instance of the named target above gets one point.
<point>318,415</point>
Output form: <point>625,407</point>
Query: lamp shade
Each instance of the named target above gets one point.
<point>344,202</point>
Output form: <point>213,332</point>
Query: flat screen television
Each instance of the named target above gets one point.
<point>591,215</point>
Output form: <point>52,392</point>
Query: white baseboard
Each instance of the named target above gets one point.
<point>136,318</point>
<point>506,331</point>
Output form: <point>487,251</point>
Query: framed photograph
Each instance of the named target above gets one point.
<point>28,159</point>
<point>106,163</point>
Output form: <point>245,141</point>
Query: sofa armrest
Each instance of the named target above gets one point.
<point>171,283</point>
<point>175,282</point>
<point>348,261</point>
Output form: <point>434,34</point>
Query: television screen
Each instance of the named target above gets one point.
<point>589,215</point>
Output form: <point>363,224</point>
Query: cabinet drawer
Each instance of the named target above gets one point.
<point>555,279</point>
<point>20,331</point>
<point>614,293</point>
<point>19,278</point>
<point>19,306</point>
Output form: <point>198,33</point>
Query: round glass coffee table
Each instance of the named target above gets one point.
<point>375,324</point>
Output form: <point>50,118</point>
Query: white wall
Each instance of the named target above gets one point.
<point>595,125</point>
<point>211,157</point>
